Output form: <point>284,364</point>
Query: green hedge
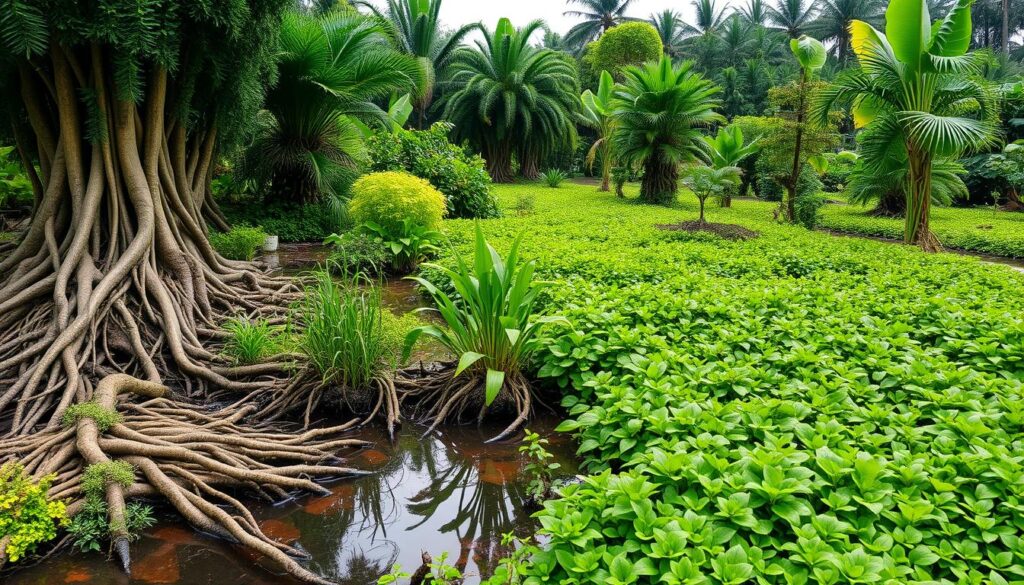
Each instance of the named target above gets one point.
<point>796,408</point>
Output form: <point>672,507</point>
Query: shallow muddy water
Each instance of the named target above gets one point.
<point>447,492</point>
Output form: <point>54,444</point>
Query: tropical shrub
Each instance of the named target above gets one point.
<point>358,251</point>
<point>390,198</point>
<point>554,178</point>
<point>660,108</point>
<point>598,115</point>
<point>728,148</point>
<point>407,247</point>
<point>707,181</point>
<point>27,517</point>
<point>492,325</point>
<point>428,154</point>
<point>837,169</point>
<point>241,243</point>
<point>807,206</point>
<point>630,43</point>
<point>291,222</point>
<point>15,187</point>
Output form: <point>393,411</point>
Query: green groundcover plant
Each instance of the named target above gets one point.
<point>797,408</point>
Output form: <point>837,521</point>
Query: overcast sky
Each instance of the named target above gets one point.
<point>457,12</point>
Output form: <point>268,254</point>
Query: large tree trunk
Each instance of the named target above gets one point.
<point>919,199</point>
<point>115,275</point>
<point>499,162</point>
<point>891,203</point>
<point>661,180</point>
<point>529,168</point>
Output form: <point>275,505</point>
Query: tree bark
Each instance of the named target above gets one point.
<point>917,230</point>
<point>794,175</point>
<point>661,180</point>
<point>499,162</point>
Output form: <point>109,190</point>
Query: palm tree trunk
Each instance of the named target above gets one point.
<point>528,165</point>
<point>919,197</point>
<point>499,162</point>
<point>661,180</point>
<point>794,176</point>
<point>701,199</point>
<point>1005,32</point>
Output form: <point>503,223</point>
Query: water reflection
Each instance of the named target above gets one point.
<point>444,493</point>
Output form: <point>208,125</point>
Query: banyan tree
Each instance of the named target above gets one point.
<point>111,300</point>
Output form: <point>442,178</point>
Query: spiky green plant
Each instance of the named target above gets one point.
<point>417,31</point>
<point>492,326</point>
<point>554,178</point>
<point>334,70</point>
<point>660,109</point>
<point>509,98</point>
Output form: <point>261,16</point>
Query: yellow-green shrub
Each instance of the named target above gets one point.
<point>389,198</point>
<point>26,516</point>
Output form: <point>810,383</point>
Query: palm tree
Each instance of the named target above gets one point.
<point>792,17</point>
<point>708,17</point>
<point>660,109</point>
<point>670,27</point>
<point>332,70</point>
<point>915,89</point>
<point>417,31</point>
<point>510,98</point>
<point>834,18</point>
<point>755,12</point>
<point>598,16</point>
<point>597,115</point>
<point>736,40</point>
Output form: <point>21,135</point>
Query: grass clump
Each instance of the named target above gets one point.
<point>554,178</point>
<point>251,341</point>
<point>241,243</point>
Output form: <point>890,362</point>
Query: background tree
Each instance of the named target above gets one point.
<point>916,91</point>
<point>598,16</point>
<point>670,27</point>
<point>832,24</point>
<point>659,110</point>
<point>810,53</point>
<point>417,30</point>
<point>792,17</point>
<point>755,12</point>
<point>333,69</point>
<point>632,43</point>
<point>507,95</point>
<point>123,106</point>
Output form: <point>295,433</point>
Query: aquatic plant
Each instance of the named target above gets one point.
<point>250,341</point>
<point>492,328</point>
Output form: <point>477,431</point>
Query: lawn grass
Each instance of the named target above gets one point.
<point>983,230</point>
<point>795,408</point>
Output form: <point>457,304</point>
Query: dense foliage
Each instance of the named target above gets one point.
<point>632,43</point>
<point>27,516</point>
<point>795,408</point>
<point>429,155</point>
<point>390,198</point>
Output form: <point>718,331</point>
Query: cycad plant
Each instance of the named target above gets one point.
<point>417,31</point>
<point>598,114</point>
<point>660,109</point>
<point>509,98</point>
<point>914,89</point>
<point>332,71</point>
<point>492,326</point>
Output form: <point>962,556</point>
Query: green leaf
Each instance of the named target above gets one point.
<point>468,359</point>
<point>953,33</point>
<point>809,52</point>
<point>908,29</point>
<point>495,379</point>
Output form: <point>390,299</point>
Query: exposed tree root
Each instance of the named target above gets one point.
<point>440,396</point>
<point>307,392</point>
<point>189,456</point>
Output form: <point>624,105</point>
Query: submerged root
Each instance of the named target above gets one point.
<point>190,456</point>
<point>440,396</point>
